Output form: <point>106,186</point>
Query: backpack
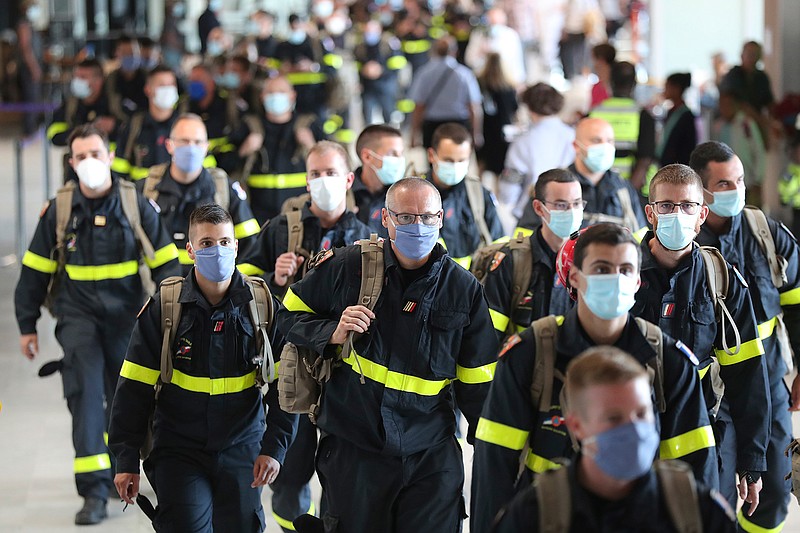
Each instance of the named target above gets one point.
<point>488,257</point>
<point>675,479</point>
<point>261,311</point>
<point>628,218</point>
<point>303,372</point>
<point>130,208</point>
<point>222,192</point>
<point>477,202</point>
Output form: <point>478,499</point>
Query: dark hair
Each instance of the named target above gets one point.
<point>605,52</point>
<point>682,80</point>
<point>127,39</point>
<point>160,69</point>
<point>450,130</point>
<point>86,130</point>
<point>603,233</point>
<point>242,61</point>
<point>493,77</point>
<point>294,17</point>
<point>146,42</point>
<point>543,99</point>
<point>554,175</point>
<point>93,64</point>
<point>623,79</point>
<point>703,154</point>
<point>371,135</point>
<point>210,214</point>
<point>675,174</point>
<point>444,46</point>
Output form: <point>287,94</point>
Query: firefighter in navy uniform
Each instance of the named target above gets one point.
<point>183,184</point>
<point>211,451</point>
<point>727,229</point>
<point>128,80</point>
<point>378,58</point>
<point>327,224</point>
<point>462,233</point>
<point>388,459</point>
<point>676,294</point>
<point>98,279</point>
<point>140,143</point>
<point>558,202</point>
<point>605,276</point>
<point>278,171</point>
<point>380,149</point>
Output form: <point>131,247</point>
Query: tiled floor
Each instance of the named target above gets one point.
<point>37,494</point>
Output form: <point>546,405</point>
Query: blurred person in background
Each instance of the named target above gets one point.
<point>499,107</point>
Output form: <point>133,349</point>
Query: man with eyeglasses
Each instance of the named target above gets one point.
<point>559,204</point>
<point>676,295</point>
<point>466,227</point>
<point>388,459</point>
<point>776,301</point>
<point>178,187</point>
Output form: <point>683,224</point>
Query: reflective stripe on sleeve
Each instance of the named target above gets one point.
<point>689,442</point>
<point>249,269</point>
<point>747,350</point>
<point>293,303</point>
<point>162,256</point>
<point>39,263</point>
<point>499,320</point>
<point>501,434</point>
<point>539,464</point>
<point>791,297</point>
<point>473,376</point>
<point>277,181</point>
<point>139,373</point>
<point>91,463</point>
<point>246,228</point>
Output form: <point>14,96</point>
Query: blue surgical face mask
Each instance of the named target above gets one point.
<point>130,63</point>
<point>372,38</point>
<point>215,263</point>
<point>277,103</point>
<point>214,48</point>
<point>189,158</point>
<point>197,91</point>
<point>625,452</point>
<point>178,10</point>
<point>675,231</point>
<point>728,203</point>
<point>564,223</point>
<point>229,80</point>
<point>392,169</point>
<point>80,88</point>
<point>609,295</point>
<point>599,157</point>
<point>415,241</point>
<point>451,173</point>
<point>214,5</point>
<point>297,37</point>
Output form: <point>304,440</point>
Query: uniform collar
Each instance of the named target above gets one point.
<point>390,259</point>
<point>573,339</point>
<point>540,250</point>
<point>199,188</point>
<point>649,262</point>
<point>238,293</point>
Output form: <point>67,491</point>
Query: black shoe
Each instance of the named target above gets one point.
<point>93,512</point>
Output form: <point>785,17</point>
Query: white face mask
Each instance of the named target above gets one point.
<point>328,192</point>
<point>165,97</point>
<point>92,172</point>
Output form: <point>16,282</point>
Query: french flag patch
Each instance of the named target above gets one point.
<point>667,310</point>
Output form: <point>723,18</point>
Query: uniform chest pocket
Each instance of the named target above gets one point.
<point>186,348</point>
<point>446,331</point>
<point>244,343</point>
<point>703,322</point>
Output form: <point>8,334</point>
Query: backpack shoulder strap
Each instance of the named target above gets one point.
<point>628,215</point>
<point>718,283</point>
<point>545,331</point>
<point>154,176</point>
<point>655,338</point>
<point>170,317</point>
<point>262,313</point>
<point>63,214</point>
<point>70,109</point>
<point>137,121</point>
<point>680,495</point>
<point>222,187</point>
<point>295,203</point>
<point>294,223</point>
<point>520,247</point>
<point>759,226</point>
<point>130,206</point>
<point>477,202</point>
<point>555,501</point>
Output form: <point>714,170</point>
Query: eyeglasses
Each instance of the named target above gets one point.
<point>404,219</point>
<point>665,208</point>
<point>563,206</point>
<point>185,142</point>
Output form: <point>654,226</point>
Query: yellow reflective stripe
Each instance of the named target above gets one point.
<point>333,60</point>
<point>140,373</point>
<point>213,386</point>
<point>416,47</point>
<point>91,463</point>
<point>138,173</point>
<point>220,144</point>
<point>639,234</point>
<point>56,128</point>
<point>345,136</point>
<point>750,527</point>
<point>464,261</point>
<point>525,232</point>
<point>123,166</point>
<point>330,127</point>
<point>102,272</point>
<point>539,464</point>
<point>765,329</point>
<point>210,161</point>
<point>395,380</point>
<point>689,442</point>
<point>183,257</point>
<point>791,297</point>
<point>499,320</point>
<point>249,269</point>
<point>501,434</point>
<point>246,228</point>
<point>747,350</point>
<point>37,262</point>
<point>703,371</point>
<point>277,181</point>
<point>396,62</point>
<point>163,256</point>
<point>105,438</point>
<point>287,524</point>
<point>473,376</point>
<point>112,146</point>
<point>306,78</point>
<point>406,105</point>
<point>292,302</point>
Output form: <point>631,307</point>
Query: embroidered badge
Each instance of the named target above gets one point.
<point>71,241</point>
<point>218,325</point>
<point>510,343</point>
<point>667,310</point>
<point>320,258</point>
<point>687,352</point>
<point>496,260</point>
<point>184,349</point>
<point>99,220</point>
<point>409,306</point>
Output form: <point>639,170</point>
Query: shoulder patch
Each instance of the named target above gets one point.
<point>787,230</point>
<point>510,343</point>
<point>240,192</point>
<point>687,352</point>
<point>722,503</point>
<point>145,306</point>
<point>320,258</point>
<point>740,277</point>
<point>44,208</point>
<point>496,260</point>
